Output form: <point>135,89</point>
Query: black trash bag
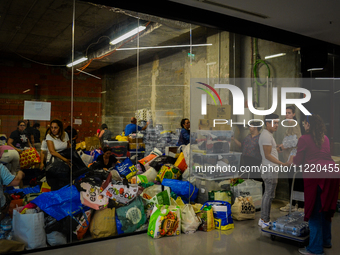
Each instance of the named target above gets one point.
<point>158,162</point>
<point>78,166</point>
<point>58,174</point>
<point>95,178</point>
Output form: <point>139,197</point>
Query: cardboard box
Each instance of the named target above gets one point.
<point>135,140</point>
<point>218,112</point>
<point>205,124</point>
<point>136,146</point>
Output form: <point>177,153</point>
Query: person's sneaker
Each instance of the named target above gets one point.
<point>260,222</point>
<point>305,252</point>
<point>266,224</point>
<point>287,207</point>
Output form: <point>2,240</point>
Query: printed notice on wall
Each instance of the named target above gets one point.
<point>78,121</point>
<point>34,110</point>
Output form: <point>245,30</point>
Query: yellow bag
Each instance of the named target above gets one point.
<point>122,138</point>
<point>168,171</point>
<point>29,158</point>
<point>92,143</point>
<point>81,146</point>
<point>103,223</point>
<point>180,162</point>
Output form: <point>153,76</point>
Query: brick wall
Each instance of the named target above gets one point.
<point>54,85</point>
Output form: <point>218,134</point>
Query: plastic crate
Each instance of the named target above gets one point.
<point>119,149</point>
<point>214,142</point>
<point>215,166</point>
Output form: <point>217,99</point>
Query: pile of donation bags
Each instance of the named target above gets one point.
<point>149,196</point>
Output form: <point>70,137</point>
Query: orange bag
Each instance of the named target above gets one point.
<point>13,205</point>
<point>29,158</point>
<point>180,163</point>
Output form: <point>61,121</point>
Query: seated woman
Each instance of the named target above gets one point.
<point>104,161</point>
<point>184,137</point>
<point>11,156</point>
<point>57,140</point>
<point>19,138</point>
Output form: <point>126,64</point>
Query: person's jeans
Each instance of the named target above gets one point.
<point>320,228</point>
<point>270,184</point>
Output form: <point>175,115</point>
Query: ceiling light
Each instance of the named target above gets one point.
<point>127,35</point>
<point>77,62</point>
<point>26,91</point>
<point>167,46</point>
<point>314,69</point>
<point>275,55</point>
<point>103,92</point>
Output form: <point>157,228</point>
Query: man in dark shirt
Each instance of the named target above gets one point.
<point>29,131</point>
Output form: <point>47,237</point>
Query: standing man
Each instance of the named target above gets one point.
<point>270,161</point>
<point>133,128</point>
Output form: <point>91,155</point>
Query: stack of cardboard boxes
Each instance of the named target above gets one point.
<point>215,112</point>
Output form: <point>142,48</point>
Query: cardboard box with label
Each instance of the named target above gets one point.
<point>205,124</point>
<point>218,112</point>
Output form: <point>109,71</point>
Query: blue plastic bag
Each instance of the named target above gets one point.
<point>126,168</point>
<point>26,191</point>
<point>222,214</point>
<point>60,203</point>
<point>184,189</point>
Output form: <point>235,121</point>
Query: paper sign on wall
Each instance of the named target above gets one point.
<point>78,121</point>
<point>34,110</point>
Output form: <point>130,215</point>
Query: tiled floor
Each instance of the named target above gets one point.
<point>245,238</point>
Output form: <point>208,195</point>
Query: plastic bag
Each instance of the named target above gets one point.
<point>155,195</point>
<point>29,158</point>
<point>222,214</point>
<point>59,203</point>
<point>158,162</point>
<point>184,189</point>
<point>190,221</point>
<point>29,229</point>
<point>180,162</point>
<point>126,168</point>
<point>207,217</point>
<point>243,209</point>
<point>87,158</point>
<point>131,216</point>
<point>92,197</point>
<point>220,195</point>
<point>149,176</point>
<point>168,171</point>
<point>81,223</point>
<point>56,238</point>
<point>165,221</point>
<point>120,193</point>
<point>103,223</point>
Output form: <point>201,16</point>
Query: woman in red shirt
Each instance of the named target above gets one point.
<point>321,183</point>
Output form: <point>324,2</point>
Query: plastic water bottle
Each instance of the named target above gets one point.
<point>2,234</point>
<point>6,224</point>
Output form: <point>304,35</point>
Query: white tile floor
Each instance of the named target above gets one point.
<point>245,238</point>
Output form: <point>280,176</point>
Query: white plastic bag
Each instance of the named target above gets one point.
<point>190,222</point>
<point>56,238</point>
<point>87,159</point>
<point>29,229</point>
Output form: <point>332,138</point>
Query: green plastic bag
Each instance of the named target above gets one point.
<point>131,216</point>
<point>165,221</point>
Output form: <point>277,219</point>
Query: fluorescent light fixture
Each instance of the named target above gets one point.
<point>77,62</point>
<point>314,69</point>
<point>26,91</point>
<point>89,74</point>
<point>103,92</point>
<point>127,35</point>
<point>275,55</point>
<point>168,46</point>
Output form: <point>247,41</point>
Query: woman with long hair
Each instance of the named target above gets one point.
<point>291,130</point>
<point>57,140</point>
<point>320,187</point>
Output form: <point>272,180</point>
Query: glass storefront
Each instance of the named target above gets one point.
<point>141,74</point>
